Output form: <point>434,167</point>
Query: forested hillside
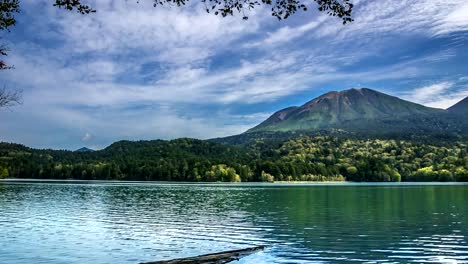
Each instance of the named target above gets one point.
<point>282,158</point>
<point>367,111</point>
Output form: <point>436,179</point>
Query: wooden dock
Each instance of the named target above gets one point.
<point>215,258</point>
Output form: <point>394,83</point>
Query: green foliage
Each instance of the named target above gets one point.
<point>280,9</point>
<point>351,170</point>
<point>7,10</point>
<point>222,173</point>
<point>3,173</point>
<point>74,4</point>
<point>368,112</point>
<point>266,177</point>
<point>299,158</point>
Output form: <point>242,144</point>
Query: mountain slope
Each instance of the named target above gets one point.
<point>358,110</point>
<point>460,107</point>
<point>84,149</point>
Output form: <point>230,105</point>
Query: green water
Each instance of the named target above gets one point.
<point>99,222</point>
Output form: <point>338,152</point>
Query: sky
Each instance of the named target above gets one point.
<point>137,72</point>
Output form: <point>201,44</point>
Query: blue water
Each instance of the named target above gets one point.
<point>96,222</point>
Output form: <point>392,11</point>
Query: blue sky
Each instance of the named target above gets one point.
<point>131,71</point>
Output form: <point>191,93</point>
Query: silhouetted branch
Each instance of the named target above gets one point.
<point>9,98</point>
<point>3,52</point>
<point>280,9</point>
<point>74,4</point>
<point>7,9</point>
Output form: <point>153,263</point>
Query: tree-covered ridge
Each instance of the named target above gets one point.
<point>370,160</point>
<point>300,158</point>
<point>178,160</point>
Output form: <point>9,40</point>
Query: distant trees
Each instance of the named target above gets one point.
<point>266,177</point>
<point>222,173</point>
<point>304,158</point>
<point>3,172</point>
<point>444,175</point>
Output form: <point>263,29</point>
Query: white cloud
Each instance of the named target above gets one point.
<point>405,16</point>
<point>438,95</point>
<point>111,124</point>
<point>287,33</point>
<point>427,93</point>
<point>377,19</point>
<point>456,20</point>
<point>87,137</point>
<point>134,71</point>
<point>171,35</point>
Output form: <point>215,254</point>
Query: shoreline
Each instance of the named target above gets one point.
<point>312,182</point>
<point>276,183</point>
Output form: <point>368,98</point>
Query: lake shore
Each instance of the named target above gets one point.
<point>276,183</point>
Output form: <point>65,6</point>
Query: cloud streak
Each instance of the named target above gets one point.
<point>438,95</point>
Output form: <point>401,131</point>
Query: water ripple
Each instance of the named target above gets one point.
<point>129,223</point>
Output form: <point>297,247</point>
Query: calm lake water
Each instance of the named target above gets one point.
<point>133,222</point>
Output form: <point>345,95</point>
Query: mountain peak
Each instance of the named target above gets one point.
<point>347,109</point>
<point>84,149</point>
<point>460,107</point>
<point>353,92</point>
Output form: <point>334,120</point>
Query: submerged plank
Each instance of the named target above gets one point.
<point>215,258</point>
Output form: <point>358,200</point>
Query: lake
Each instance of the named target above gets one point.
<point>96,222</point>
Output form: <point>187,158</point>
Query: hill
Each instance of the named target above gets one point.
<point>299,158</point>
<point>364,111</point>
<point>354,135</point>
<point>84,149</point>
<point>460,107</point>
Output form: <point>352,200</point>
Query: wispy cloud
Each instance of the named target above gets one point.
<point>87,137</point>
<point>287,33</point>
<point>439,95</point>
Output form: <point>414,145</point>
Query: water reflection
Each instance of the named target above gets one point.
<point>128,223</point>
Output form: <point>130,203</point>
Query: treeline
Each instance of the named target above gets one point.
<point>176,160</point>
<point>301,158</point>
<point>369,160</point>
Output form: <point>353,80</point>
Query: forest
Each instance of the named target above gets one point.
<point>267,159</point>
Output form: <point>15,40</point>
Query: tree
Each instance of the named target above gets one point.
<point>281,9</point>
<point>266,177</point>
<point>3,172</point>
<point>351,170</point>
<point>3,52</point>
<point>221,172</point>
<point>9,98</point>
<point>7,19</point>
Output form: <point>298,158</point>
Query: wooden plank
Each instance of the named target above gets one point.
<point>215,258</point>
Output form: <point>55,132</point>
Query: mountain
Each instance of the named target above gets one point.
<point>361,110</point>
<point>460,107</point>
<point>84,149</point>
